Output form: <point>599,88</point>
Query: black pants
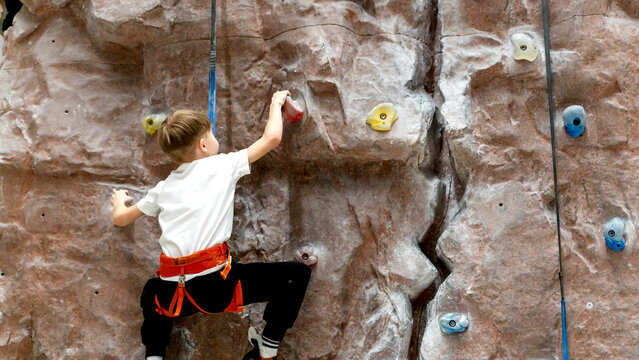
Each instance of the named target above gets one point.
<point>281,285</point>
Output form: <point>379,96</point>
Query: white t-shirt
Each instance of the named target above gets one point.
<point>194,204</point>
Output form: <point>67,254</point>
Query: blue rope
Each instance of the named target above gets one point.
<point>551,110</point>
<point>212,70</point>
<point>564,331</point>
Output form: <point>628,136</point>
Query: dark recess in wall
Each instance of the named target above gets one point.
<point>13,6</point>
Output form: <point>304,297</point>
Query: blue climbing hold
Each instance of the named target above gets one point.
<point>453,323</point>
<point>613,233</point>
<point>575,120</point>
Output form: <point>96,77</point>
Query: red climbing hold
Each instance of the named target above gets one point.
<point>291,110</point>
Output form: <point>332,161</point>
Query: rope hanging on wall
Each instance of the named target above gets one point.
<point>212,69</point>
<point>551,110</point>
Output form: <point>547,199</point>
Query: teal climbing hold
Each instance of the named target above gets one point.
<point>613,233</point>
<point>453,322</point>
<point>575,120</point>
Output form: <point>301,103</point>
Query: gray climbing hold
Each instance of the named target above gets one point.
<point>307,256</point>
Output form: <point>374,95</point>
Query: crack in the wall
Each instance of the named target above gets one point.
<point>67,63</point>
<point>441,166</point>
<point>318,25</point>
<point>576,16</point>
<point>462,35</point>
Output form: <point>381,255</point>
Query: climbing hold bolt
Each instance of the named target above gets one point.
<point>524,47</point>
<point>382,117</point>
<point>453,322</point>
<point>613,233</point>
<point>153,122</point>
<point>307,256</point>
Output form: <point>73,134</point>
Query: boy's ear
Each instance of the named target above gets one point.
<point>201,144</point>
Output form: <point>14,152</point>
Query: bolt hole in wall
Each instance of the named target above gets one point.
<point>12,6</point>
<point>97,292</point>
<point>43,215</point>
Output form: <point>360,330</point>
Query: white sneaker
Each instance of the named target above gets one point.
<point>266,351</point>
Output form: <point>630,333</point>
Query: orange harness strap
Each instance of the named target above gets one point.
<point>193,264</point>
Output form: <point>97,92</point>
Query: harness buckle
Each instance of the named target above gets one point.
<point>181,279</point>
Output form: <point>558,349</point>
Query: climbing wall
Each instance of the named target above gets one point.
<point>450,211</point>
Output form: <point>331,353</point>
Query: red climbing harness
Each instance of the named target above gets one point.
<point>195,264</point>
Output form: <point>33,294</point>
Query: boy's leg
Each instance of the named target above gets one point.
<point>156,328</point>
<point>282,286</point>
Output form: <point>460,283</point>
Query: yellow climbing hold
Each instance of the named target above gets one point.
<point>153,122</point>
<point>382,117</point>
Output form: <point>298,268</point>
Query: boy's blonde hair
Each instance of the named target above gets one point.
<point>180,131</point>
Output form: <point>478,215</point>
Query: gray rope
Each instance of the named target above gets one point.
<point>551,110</point>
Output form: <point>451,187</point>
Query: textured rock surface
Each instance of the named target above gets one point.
<point>501,245</point>
<point>450,211</point>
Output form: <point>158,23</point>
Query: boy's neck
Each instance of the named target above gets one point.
<point>197,157</point>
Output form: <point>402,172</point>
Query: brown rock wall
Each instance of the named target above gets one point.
<point>462,184</point>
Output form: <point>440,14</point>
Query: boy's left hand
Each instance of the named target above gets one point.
<point>121,197</point>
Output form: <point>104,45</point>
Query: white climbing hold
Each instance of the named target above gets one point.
<point>524,47</point>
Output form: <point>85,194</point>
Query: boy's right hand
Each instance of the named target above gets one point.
<point>279,98</point>
<point>120,197</point>
<point>123,215</point>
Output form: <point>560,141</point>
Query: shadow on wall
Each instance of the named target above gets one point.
<point>8,9</point>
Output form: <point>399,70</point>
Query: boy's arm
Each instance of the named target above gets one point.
<point>123,215</point>
<point>273,130</point>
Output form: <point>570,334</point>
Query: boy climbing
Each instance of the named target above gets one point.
<point>194,205</point>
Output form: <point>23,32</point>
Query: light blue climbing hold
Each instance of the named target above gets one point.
<point>453,323</point>
<point>613,233</point>
<point>575,120</point>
